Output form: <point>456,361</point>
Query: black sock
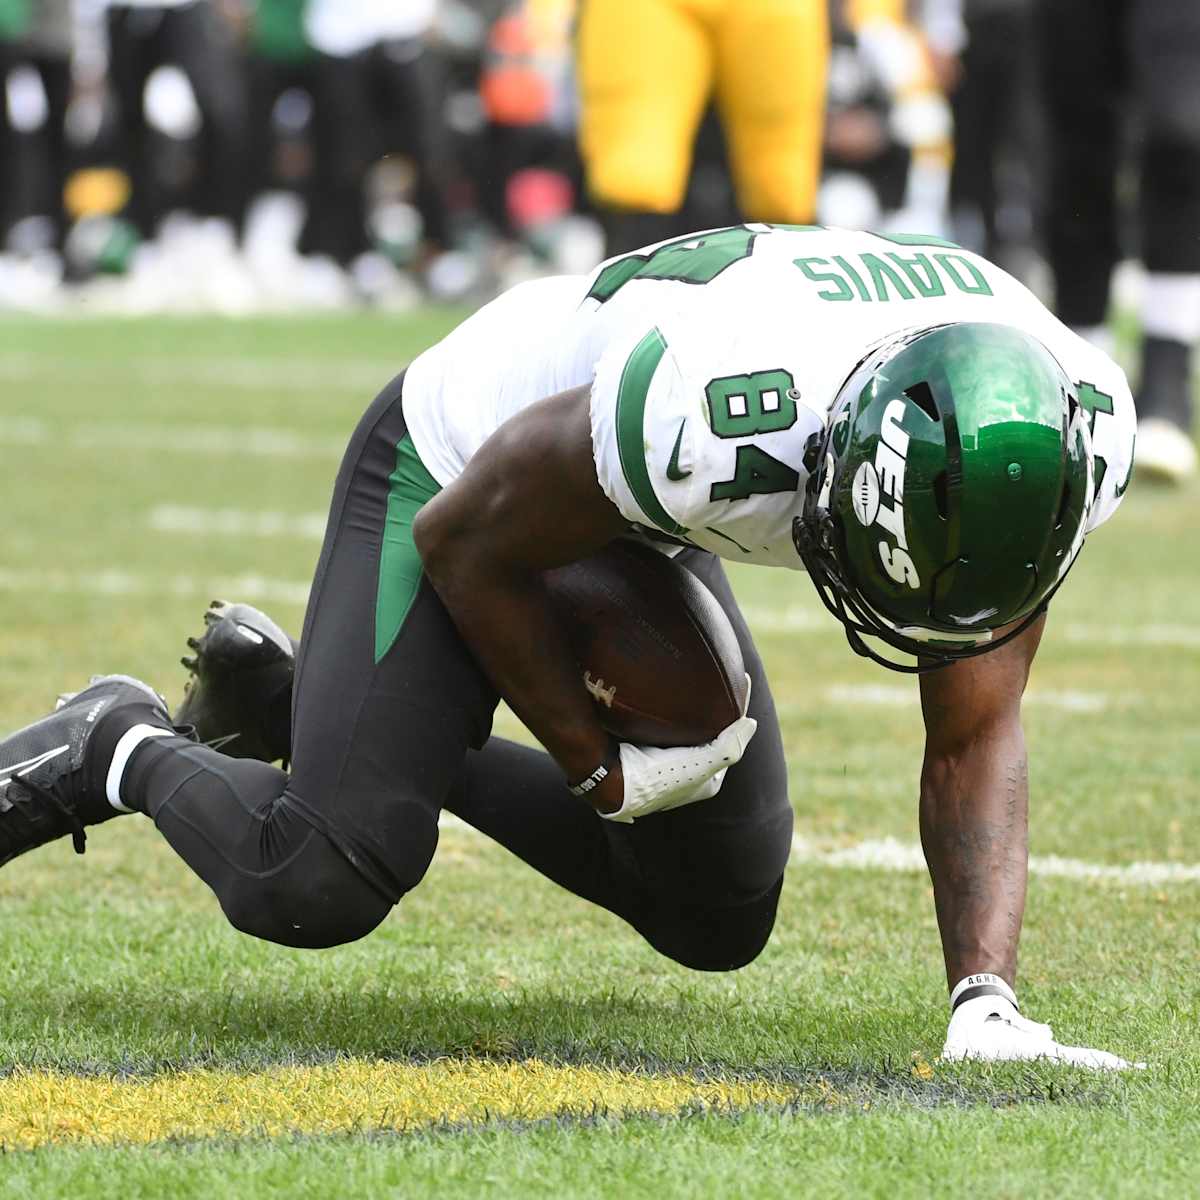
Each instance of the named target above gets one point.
<point>109,731</point>
<point>136,784</point>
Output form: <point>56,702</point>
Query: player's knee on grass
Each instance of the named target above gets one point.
<point>316,900</point>
<point>724,939</point>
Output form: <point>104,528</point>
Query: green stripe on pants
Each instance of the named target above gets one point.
<point>410,485</point>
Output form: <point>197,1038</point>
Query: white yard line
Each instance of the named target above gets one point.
<point>884,854</point>
<point>246,374</point>
<point>800,620</point>
<point>171,439</point>
<point>182,519</point>
<point>1180,636</point>
<point>888,854</point>
<point>125,583</point>
<point>895,857</point>
<point>236,522</point>
<point>897,696</point>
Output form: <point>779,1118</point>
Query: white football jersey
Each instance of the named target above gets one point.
<point>713,361</point>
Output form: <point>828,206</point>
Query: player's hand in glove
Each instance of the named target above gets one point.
<point>990,1028</point>
<point>656,780</point>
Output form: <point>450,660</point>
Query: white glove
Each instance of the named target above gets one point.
<point>657,780</point>
<point>990,1028</point>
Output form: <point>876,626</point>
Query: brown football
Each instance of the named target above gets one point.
<point>655,649</point>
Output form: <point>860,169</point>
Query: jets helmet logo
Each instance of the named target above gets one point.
<point>865,494</point>
<point>878,496</point>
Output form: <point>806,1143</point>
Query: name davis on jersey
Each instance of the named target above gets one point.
<point>875,484</point>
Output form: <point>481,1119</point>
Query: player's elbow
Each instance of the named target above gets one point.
<point>442,541</point>
<point>430,533</point>
<point>452,534</point>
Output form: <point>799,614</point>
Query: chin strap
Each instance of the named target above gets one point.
<point>815,540</point>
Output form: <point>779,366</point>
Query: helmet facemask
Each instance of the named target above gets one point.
<point>993,512</point>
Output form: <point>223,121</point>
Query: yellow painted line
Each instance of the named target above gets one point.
<point>41,1108</point>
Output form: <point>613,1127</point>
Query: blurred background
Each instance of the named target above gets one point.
<point>261,156</point>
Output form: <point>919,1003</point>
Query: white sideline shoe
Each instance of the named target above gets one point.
<point>1164,451</point>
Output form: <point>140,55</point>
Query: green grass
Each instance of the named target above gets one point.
<point>122,962</point>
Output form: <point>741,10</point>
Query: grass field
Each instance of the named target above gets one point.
<point>497,1036</point>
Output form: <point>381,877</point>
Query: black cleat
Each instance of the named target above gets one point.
<point>239,696</point>
<point>48,788</point>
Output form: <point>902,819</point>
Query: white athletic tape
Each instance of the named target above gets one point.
<point>129,741</point>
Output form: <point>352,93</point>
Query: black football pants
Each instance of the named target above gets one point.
<point>1101,60</point>
<point>194,37</point>
<point>385,99</point>
<point>391,724</point>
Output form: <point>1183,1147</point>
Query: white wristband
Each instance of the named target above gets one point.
<point>982,984</point>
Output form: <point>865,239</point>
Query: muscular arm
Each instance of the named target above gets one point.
<point>975,806</point>
<point>528,500</point>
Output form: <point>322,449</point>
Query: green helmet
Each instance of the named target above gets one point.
<point>952,492</point>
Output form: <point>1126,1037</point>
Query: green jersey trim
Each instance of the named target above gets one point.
<point>631,439</point>
<point>16,16</point>
<point>410,485</point>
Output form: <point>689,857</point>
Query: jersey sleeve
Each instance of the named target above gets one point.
<point>638,394</point>
<point>1104,393</point>
<point>1114,433</point>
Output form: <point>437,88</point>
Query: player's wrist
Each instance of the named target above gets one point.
<point>601,785</point>
<point>980,984</point>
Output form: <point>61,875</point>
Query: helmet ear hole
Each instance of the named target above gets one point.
<point>941,495</point>
<point>1063,505</point>
<point>1072,408</point>
<point>921,394</point>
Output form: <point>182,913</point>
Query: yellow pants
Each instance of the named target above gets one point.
<point>647,69</point>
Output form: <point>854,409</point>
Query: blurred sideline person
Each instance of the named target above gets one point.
<point>36,35</point>
<point>35,87</point>
<point>888,144</point>
<point>985,53</point>
<point>190,34</point>
<point>279,58</point>
<point>378,88</point>
<point>647,70</point>
<point>1098,56</point>
<point>15,21</point>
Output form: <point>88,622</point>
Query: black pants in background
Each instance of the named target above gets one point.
<point>193,38</point>
<point>998,160</point>
<point>1103,60</point>
<point>386,99</point>
<point>33,166</point>
<point>387,735</point>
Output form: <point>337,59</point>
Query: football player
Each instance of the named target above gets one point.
<point>894,415</point>
<point>648,70</point>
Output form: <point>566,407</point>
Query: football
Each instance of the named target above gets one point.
<point>655,649</point>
